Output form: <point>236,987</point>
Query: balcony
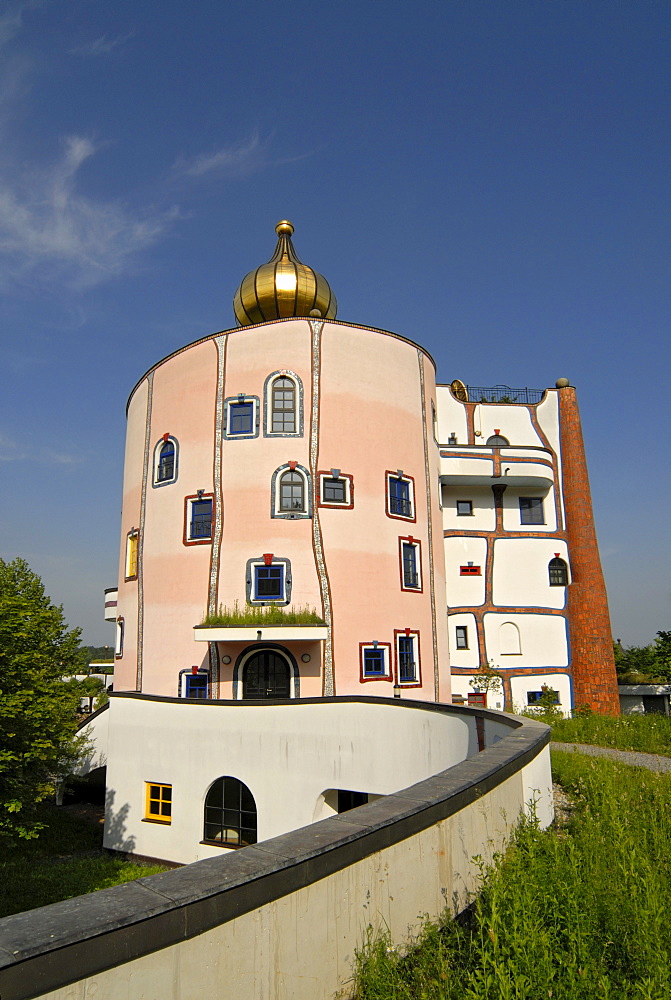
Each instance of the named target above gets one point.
<point>258,633</point>
<point>525,467</point>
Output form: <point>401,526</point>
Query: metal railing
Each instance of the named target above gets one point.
<point>503,394</point>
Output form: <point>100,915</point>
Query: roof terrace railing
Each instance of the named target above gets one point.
<point>503,394</point>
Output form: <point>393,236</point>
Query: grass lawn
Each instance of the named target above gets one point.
<point>66,860</point>
<point>578,912</point>
<point>647,733</point>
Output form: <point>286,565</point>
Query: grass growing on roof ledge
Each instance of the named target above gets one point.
<point>268,614</point>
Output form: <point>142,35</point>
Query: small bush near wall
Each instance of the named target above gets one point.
<point>647,733</point>
<point>574,913</point>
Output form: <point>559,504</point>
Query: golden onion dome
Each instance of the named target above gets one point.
<point>283,287</point>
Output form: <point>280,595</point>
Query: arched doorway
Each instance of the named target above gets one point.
<point>266,674</point>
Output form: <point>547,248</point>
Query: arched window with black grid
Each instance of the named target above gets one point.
<point>558,572</point>
<point>230,814</point>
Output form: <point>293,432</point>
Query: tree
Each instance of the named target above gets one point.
<point>487,679</point>
<point>649,664</point>
<point>38,720</point>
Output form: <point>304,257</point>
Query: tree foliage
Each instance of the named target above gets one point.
<point>38,742</point>
<point>649,664</point>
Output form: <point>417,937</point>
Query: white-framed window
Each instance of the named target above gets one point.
<point>118,645</point>
<point>166,456</point>
<point>198,518</point>
<point>241,416</point>
<point>291,492</point>
<point>407,658</point>
<point>268,580</point>
<point>400,495</point>
<point>194,682</point>
<point>410,556</point>
<point>335,489</point>
<point>283,404</point>
<point>132,553</point>
<point>375,661</point>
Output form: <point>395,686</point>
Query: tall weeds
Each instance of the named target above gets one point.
<point>574,913</point>
<point>647,733</point>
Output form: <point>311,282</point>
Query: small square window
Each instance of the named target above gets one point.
<point>196,685</point>
<point>464,508</point>
<point>461,632</point>
<point>335,489</point>
<point>375,660</point>
<point>158,803</point>
<point>531,510</point>
<point>269,583</point>
<point>268,580</point>
<point>242,417</point>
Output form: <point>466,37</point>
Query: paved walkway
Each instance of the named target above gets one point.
<point>650,760</point>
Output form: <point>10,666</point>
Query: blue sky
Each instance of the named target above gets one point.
<point>489,179</point>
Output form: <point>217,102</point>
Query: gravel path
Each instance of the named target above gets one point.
<point>650,760</point>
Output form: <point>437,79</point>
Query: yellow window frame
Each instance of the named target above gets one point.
<point>158,807</point>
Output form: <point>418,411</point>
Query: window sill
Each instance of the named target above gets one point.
<point>157,822</point>
<point>224,843</point>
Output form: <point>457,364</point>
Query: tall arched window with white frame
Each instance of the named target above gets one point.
<point>283,405</point>
<point>165,461</point>
<point>291,492</point>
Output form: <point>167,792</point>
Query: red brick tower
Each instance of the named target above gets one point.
<point>592,662</point>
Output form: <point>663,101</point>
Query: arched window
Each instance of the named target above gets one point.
<point>230,814</point>
<point>283,406</point>
<point>497,441</point>
<point>509,639</point>
<point>558,572</point>
<point>292,492</point>
<point>165,461</point>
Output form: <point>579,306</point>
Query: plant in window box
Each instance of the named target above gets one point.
<point>253,614</point>
<point>487,680</point>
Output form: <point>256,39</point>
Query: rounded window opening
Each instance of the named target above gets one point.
<point>558,572</point>
<point>497,441</point>
<point>230,814</point>
<point>266,675</point>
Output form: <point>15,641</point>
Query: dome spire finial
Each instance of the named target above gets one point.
<point>283,287</point>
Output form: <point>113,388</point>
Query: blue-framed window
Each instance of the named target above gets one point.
<point>375,661</point>
<point>407,665</point>
<point>165,471</point>
<point>200,525</point>
<point>269,582</point>
<point>534,697</point>
<point>241,417</point>
<point>400,499</point>
<point>196,686</point>
<point>531,510</point>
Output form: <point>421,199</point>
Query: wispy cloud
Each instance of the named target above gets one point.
<point>102,46</point>
<point>47,225</point>
<point>239,157</point>
<point>9,450</point>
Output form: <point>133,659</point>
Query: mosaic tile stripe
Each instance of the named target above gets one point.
<point>429,502</point>
<point>143,512</point>
<point>329,687</point>
<point>221,344</point>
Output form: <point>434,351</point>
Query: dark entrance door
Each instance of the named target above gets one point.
<point>265,675</point>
